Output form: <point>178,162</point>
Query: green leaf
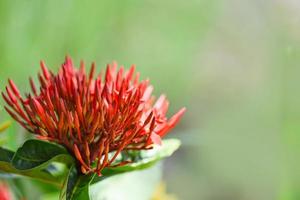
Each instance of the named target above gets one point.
<point>5,155</point>
<point>76,186</point>
<point>7,168</point>
<point>148,158</point>
<point>38,154</point>
<point>35,159</point>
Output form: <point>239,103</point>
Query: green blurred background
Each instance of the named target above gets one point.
<point>234,64</point>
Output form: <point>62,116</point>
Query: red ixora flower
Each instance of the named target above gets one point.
<point>90,116</point>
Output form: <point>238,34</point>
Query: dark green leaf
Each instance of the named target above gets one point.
<point>37,154</point>
<point>5,155</point>
<point>7,168</point>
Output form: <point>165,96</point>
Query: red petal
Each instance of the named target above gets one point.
<point>175,119</point>
<point>45,70</point>
<point>14,88</point>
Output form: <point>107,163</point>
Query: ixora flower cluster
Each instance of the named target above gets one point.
<point>94,118</point>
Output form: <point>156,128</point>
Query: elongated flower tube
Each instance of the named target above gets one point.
<point>94,118</point>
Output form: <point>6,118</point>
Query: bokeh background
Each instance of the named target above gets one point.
<point>234,64</point>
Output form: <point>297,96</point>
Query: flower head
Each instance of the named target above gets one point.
<point>90,116</point>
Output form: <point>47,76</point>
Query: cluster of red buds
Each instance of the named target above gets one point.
<point>92,117</point>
